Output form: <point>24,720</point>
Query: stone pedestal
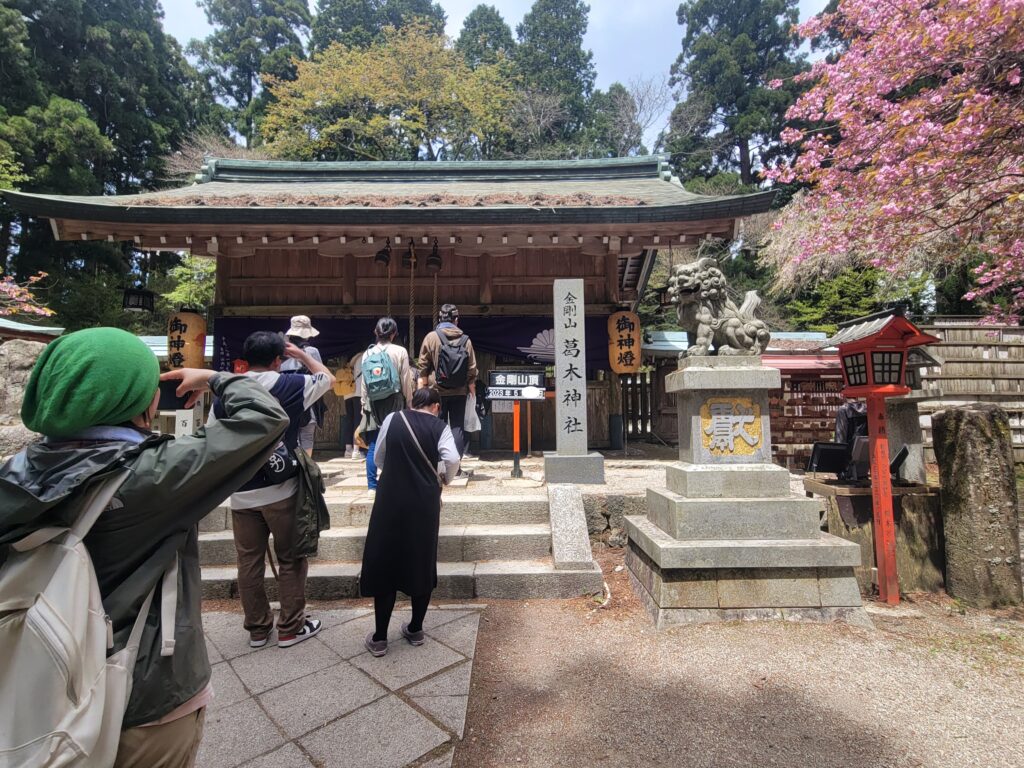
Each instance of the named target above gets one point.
<point>581,470</point>
<point>727,539</point>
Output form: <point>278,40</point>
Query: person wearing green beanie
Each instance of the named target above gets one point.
<point>93,395</point>
<point>95,377</point>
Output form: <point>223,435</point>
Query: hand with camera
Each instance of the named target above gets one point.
<point>194,381</point>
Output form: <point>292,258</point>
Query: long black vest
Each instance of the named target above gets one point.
<point>401,543</point>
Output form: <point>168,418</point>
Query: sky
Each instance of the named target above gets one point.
<point>629,38</point>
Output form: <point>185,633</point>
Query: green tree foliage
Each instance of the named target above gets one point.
<point>409,97</point>
<point>731,51</point>
<point>359,23</point>
<point>250,40</point>
<point>550,59</point>
<point>193,282</point>
<point>485,37</point>
<point>94,96</point>
<point>850,294</point>
<point>612,128</point>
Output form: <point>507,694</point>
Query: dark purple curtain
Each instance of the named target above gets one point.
<point>529,339</point>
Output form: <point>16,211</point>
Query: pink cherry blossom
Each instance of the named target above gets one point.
<point>917,145</point>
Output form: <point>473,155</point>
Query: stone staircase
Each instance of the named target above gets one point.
<point>488,547</point>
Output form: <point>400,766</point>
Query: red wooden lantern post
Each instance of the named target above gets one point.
<point>873,350</point>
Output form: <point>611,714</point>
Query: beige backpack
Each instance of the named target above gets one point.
<point>64,699</point>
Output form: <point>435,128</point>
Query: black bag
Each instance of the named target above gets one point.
<point>282,465</point>
<point>452,370</point>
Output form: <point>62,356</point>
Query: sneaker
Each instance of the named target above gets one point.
<point>350,452</point>
<point>372,493</point>
<point>258,642</point>
<point>309,628</point>
<point>376,647</point>
<point>414,638</point>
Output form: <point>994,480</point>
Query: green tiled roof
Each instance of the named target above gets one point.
<point>626,190</point>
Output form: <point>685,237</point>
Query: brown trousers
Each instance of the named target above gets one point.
<point>171,745</point>
<point>252,528</point>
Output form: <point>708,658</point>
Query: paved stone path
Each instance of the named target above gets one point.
<point>327,702</point>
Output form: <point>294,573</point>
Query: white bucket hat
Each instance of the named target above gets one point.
<point>302,327</point>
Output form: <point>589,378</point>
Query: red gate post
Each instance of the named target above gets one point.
<point>881,497</point>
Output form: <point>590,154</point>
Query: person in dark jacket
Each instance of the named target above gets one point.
<point>416,453</point>
<point>453,399</point>
<point>93,395</point>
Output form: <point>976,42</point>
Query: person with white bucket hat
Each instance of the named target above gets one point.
<point>299,333</point>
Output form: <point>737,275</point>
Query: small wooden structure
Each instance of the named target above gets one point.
<point>11,329</point>
<point>873,351</point>
<point>308,237</point>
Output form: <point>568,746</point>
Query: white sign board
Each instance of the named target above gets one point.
<point>570,369</point>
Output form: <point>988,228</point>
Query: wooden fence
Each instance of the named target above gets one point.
<point>637,404</point>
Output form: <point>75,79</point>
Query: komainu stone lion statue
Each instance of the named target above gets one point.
<point>709,317</point>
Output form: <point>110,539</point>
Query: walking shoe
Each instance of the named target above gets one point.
<point>258,642</point>
<point>376,647</point>
<point>309,628</point>
<point>372,493</point>
<point>414,638</point>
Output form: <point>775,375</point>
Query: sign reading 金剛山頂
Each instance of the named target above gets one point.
<point>624,342</point>
<point>515,385</point>
<point>570,369</point>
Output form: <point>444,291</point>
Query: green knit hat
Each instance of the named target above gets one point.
<point>99,376</point>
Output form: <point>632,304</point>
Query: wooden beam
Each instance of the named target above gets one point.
<point>485,274</point>
<point>611,276</point>
<point>348,282</point>
<point>377,310</point>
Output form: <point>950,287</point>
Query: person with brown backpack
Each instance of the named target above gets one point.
<point>447,362</point>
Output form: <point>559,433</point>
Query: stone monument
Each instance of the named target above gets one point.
<point>571,462</point>
<point>727,538</point>
<point>17,357</point>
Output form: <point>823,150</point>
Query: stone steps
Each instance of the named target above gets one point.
<point>488,547</point>
<point>456,543</point>
<point>492,579</point>
<point>354,511</point>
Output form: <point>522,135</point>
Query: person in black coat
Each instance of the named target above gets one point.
<point>417,455</point>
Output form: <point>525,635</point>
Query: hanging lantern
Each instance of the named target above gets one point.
<point>434,261</point>
<point>186,339</point>
<point>383,256</point>
<point>138,300</point>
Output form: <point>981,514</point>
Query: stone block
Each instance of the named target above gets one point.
<point>580,470</point>
<point>718,481</point>
<point>667,552</point>
<point>855,616</point>
<point>570,542</point>
<point>374,728</point>
<point>235,735</point>
<point>696,375</point>
<point>723,427</point>
<point>405,665</point>
<point>762,588</point>
<point>217,520</point>
<point>455,581</point>
<point>838,588</point>
<point>522,580</point>
<point>674,588</point>
<point>795,517</point>
<point>449,544</point>
<point>505,542</point>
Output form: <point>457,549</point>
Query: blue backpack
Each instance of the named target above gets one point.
<point>379,375</point>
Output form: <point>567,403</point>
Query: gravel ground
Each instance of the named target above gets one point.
<point>568,683</point>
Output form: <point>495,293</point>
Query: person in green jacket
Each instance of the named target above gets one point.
<point>93,395</point>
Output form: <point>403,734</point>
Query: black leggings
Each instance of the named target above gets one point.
<point>353,414</point>
<point>383,605</point>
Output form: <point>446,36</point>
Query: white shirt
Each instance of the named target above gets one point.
<point>315,387</point>
<point>449,463</point>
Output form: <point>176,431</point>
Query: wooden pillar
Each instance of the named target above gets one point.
<point>348,279</point>
<point>220,281</point>
<point>611,269</point>
<point>486,279</point>
<point>881,493</point>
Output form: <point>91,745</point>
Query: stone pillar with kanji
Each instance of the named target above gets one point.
<point>571,462</point>
<point>726,538</point>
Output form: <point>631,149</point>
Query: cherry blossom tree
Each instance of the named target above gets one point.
<point>913,141</point>
<point>19,299</point>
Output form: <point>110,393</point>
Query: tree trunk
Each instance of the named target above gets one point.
<point>746,176</point>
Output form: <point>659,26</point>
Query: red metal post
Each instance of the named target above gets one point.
<point>881,497</point>
<point>516,470</point>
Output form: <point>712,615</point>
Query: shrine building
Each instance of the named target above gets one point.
<point>346,243</point>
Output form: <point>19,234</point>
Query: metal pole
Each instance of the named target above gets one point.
<point>516,470</point>
<point>881,497</point>
<point>529,428</point>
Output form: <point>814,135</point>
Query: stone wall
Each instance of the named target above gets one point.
<point>17,357</point>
